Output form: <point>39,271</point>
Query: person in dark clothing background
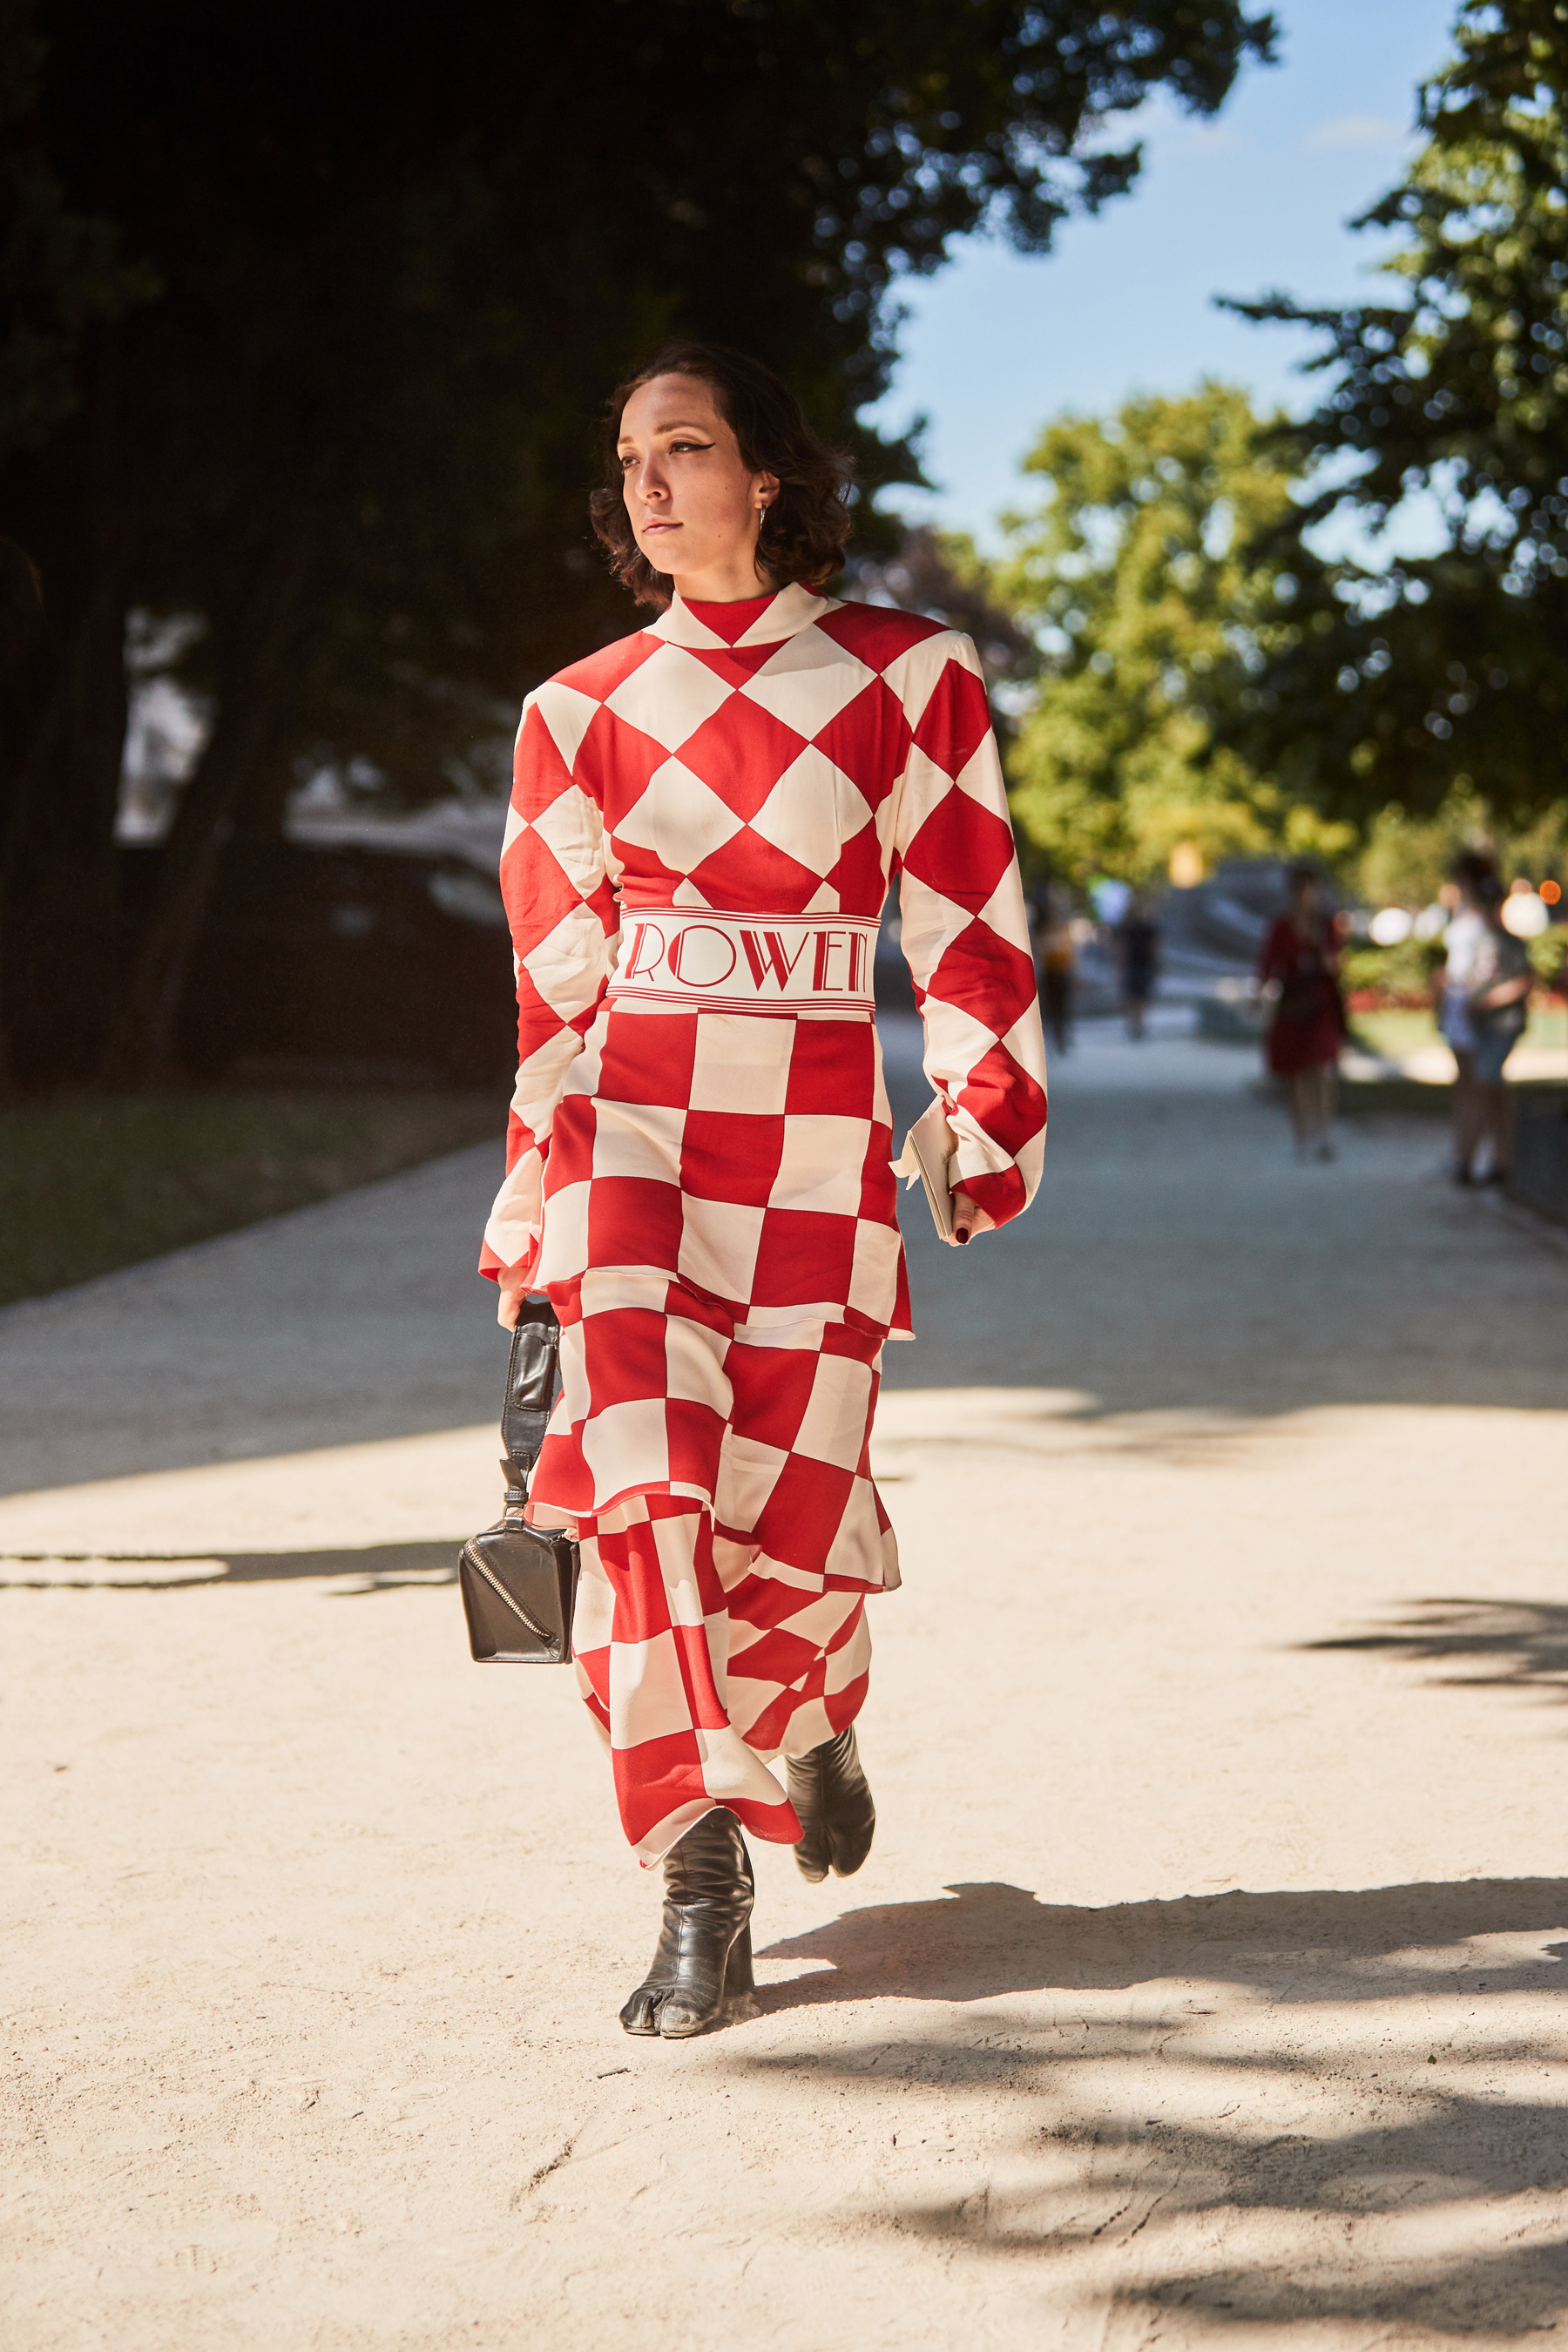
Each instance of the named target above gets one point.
<point>1054,962</point>
<point>1138,949</point>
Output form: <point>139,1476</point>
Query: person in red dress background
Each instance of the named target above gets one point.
<point>1300,969</point>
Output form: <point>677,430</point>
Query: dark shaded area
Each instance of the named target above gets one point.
<point>313,313</point>
<point>90,1183</point>
<point>384,1567</point>
<point>1540,1177</point>
<point>1396,1098</point>
<point>317,957</point>
<point>1508,1644</point>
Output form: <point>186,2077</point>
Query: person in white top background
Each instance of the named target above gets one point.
<point>1482,1014</point>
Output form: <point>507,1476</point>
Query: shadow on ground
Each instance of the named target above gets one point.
<point>1257,2014</point>
<point>991,1939</point>
<point>381,1567</point>
<point>1511,1644</point>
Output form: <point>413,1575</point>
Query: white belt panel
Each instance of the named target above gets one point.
<point>701,958</point>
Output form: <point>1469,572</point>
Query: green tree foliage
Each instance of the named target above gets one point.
<point>1407,859</point>
<point>1397,681</point>
<point>399,255</point>
<point>1136,574</point>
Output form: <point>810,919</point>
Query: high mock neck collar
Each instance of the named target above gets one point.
<point>729,620</point>
<point>750,621</point>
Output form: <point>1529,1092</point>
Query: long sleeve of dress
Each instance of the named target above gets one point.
<point>965,930</point>
<point>556,880</point>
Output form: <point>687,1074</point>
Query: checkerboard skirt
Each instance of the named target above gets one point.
<point>730,1531</point>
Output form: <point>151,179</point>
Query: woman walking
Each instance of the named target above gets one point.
<point>705,820</point>
<point>1483,1014</point>
<point>1298,967</point>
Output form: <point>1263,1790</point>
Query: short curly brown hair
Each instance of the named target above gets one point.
<point>807,526</point>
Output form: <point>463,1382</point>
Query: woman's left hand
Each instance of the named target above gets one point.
<point>513,1285</point>
<point>968,1218</point>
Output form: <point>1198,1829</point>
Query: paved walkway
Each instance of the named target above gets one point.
<point>1204,1986</point>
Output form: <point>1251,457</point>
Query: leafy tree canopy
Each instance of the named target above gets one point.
<point>1136,572</point>
<point>1397,682</point>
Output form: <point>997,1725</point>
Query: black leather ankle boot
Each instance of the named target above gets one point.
<point>833,1798</point>
<point>702,1972</point>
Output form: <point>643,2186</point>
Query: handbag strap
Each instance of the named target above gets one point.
<point>530,1376</point>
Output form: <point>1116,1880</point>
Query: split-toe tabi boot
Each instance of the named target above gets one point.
<point>702,1972</point>
<point>832,1798</point>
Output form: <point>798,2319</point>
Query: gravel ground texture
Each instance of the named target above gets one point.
<point>1205,1983</point>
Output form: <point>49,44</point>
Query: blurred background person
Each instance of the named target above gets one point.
<point>1138,952</point>
<point>1054,947</point>
<point>1299,970</point>
<point>1482,1014</point>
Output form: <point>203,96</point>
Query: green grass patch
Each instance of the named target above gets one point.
<point>1395,1035</point>
<point>88,1183</point>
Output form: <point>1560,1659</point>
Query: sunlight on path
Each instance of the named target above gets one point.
<point>1205,1985</point>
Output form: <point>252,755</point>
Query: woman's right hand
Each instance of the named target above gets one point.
<point>968,1218</point>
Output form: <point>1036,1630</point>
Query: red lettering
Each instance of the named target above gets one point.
<point>825,944</point>
<point>772,953</point>
<point>632,970</point>
<point>677,949</point>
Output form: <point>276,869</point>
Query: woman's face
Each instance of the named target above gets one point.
<point>694,506</point>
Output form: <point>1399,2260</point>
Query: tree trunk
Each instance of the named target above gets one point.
<point>254,644</point>
<point>62,735</point>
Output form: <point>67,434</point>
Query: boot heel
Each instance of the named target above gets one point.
<point>702,1972</point>
<point>739,1984</point>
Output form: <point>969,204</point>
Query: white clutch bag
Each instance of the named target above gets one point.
<point>926,1159</point>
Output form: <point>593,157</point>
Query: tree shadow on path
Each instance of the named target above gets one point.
<point>1512,1644</point>
<point>991,1939</point>
<point>383,1567</point>
<point>1253,2140</point>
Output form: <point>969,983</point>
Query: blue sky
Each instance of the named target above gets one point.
<point>1254,199</point>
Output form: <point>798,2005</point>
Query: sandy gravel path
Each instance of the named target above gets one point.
<point>1205,1987</point>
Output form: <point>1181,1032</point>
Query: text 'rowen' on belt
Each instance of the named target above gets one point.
<point>747,963</point>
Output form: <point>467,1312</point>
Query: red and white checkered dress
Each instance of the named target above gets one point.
<point>707,1194</point>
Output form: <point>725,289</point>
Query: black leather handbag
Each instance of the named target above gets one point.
<point>519,1583</point>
